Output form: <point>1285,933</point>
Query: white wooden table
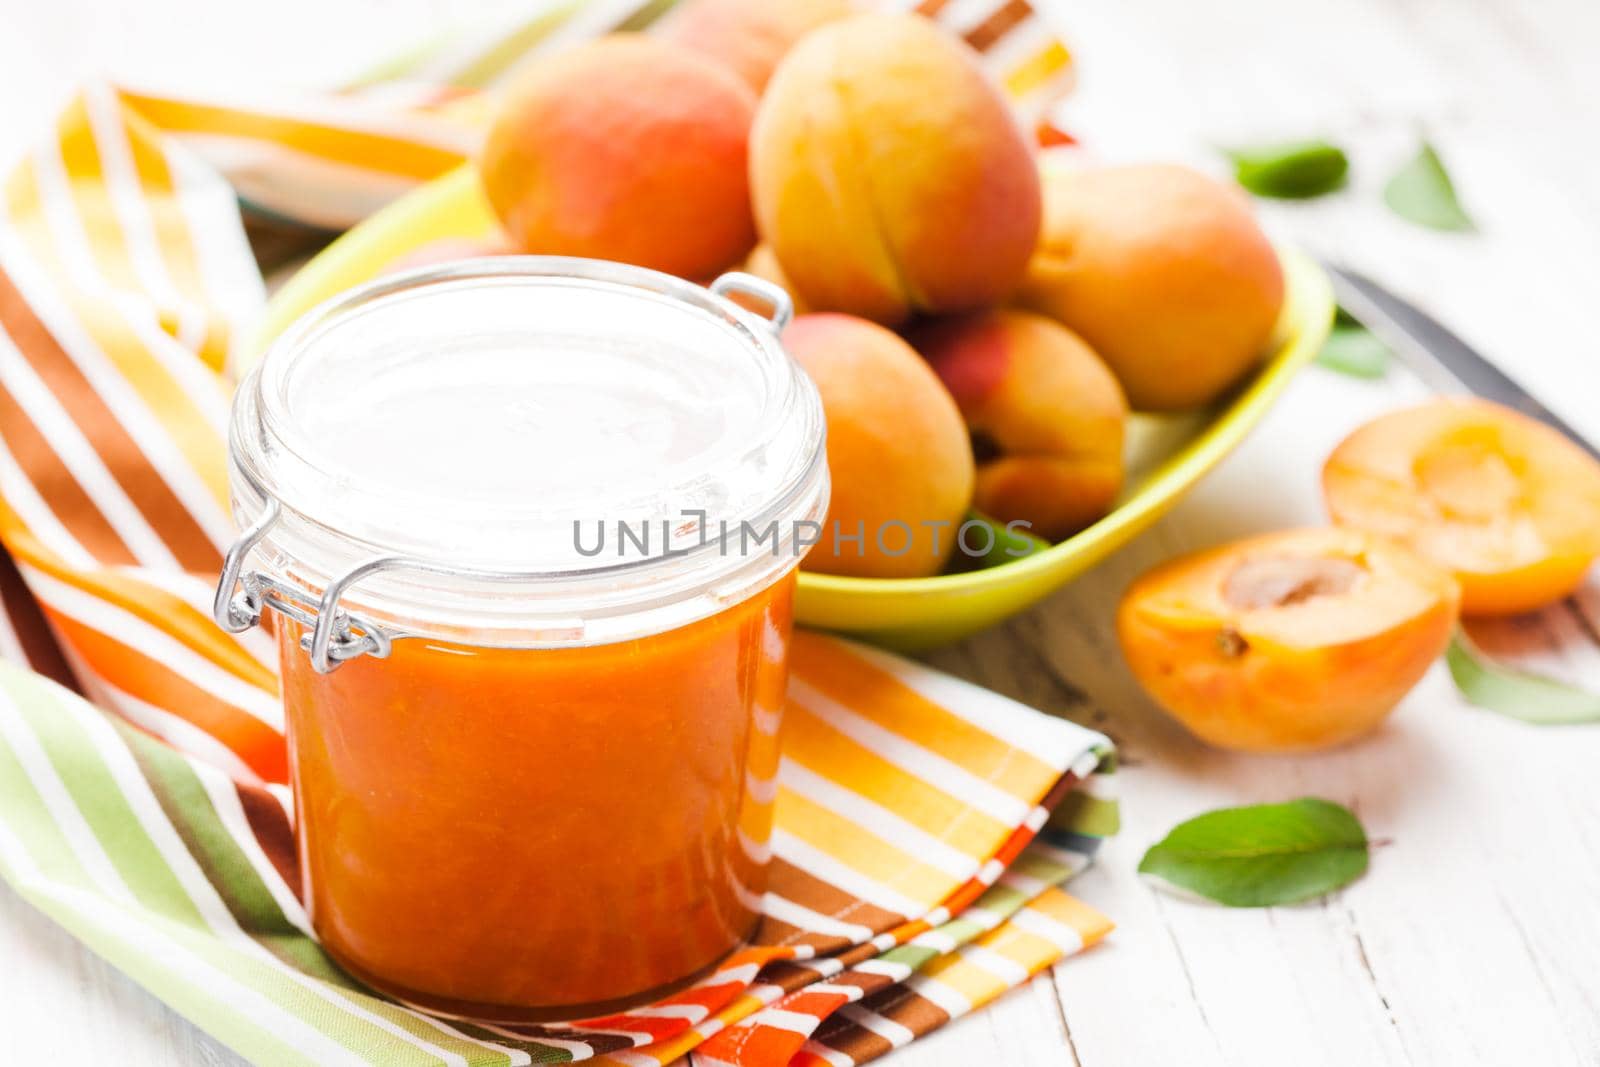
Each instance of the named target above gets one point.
<point>1474,938</point>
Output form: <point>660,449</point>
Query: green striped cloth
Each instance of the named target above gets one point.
<point>169,857</point>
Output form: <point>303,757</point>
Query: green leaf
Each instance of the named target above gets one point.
<point>1005,545</point>
<point>1520,695</point>
<point>1354,350</point>
<point>1295,171</point>
<point>1422,192</point>
<point>1263,855</point>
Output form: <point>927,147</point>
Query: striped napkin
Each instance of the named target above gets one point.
<point>923,826</point>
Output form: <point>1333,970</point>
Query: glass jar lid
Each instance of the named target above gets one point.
<point>531,450</point>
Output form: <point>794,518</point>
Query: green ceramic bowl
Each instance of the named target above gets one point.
<point>1168,455</point>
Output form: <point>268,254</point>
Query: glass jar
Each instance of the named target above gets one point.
<point>528,530</point>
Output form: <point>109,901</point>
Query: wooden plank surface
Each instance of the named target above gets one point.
<point>1473,937</point>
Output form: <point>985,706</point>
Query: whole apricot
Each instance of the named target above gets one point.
<point>1506,503</point>
<point>888,173</point>
<point>1295,640</point>
<point>1045,415</point>
<point>749,36</point>
<point>1164,272</point>
<point>897,451</point>
<point>629,149</point>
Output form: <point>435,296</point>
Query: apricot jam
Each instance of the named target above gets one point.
<point>532,684</point>
<point>554,827</point>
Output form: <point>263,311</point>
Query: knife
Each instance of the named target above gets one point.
<point>1443,360</point>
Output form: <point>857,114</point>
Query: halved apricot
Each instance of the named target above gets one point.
<point>1294,640</point>
<point>1504,502</point>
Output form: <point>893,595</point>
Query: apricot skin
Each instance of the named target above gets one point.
<point>888,173</point>
<point>1319,667</point>
<point>1507,504</point>
<point>749,36</point>
<point>897,450</point>
<point>1043,403</point>
<point>627,148</point>
<point>1164,272</point>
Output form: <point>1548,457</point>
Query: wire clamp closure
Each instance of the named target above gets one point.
<point>334,635</point>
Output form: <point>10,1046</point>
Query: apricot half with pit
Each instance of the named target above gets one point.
<point>1506,503</point>
<point>1290,641</point>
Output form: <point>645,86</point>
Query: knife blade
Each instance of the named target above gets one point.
<point>1441,358</point>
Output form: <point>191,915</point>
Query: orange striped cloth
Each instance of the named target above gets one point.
<point>911,881</point>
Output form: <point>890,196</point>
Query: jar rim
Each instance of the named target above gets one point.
<point>328,524</point>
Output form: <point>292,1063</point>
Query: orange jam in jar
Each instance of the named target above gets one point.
<point>528,528</point>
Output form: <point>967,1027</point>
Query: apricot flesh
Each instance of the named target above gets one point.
<point>1047,418</point>
<point>1164,272</point>
<point>1296,640</point>
<point>889,174</point>
<point>1507,504</point>
<point>627,148</point>
<point>897,451</point>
